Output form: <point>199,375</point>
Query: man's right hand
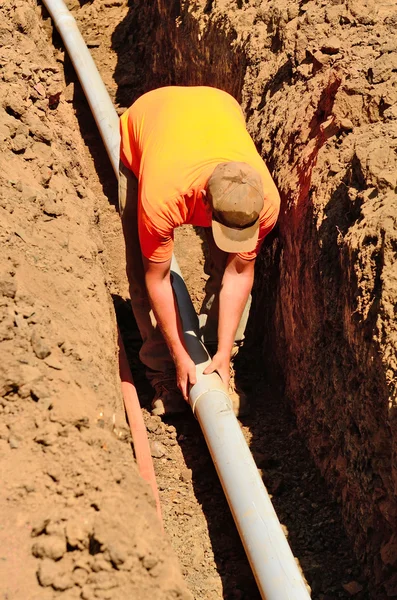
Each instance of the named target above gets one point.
<point>162,299</point>
<point>185,374</point>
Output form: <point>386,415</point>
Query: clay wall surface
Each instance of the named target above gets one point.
<point>318,83</point>
<point>70,491</point>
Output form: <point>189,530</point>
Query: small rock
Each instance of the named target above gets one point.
<point>331,45</point>
<point>346,124</point>
<point>39,346</point>
<point>14,443</point>
<point>53,208</point>
<point>334,168</point>
<point>186,475</point>
<point>78,531</point>
<point>99,564</point>
<point>383,68</point>
<point>39,527</point>
<point>63,582</point>
<point>152,425</point>
<point>117,554</point>
<point>169,442</point>
<point>391,113</point>
<point>52,362</point>
<point>320,58</point>
<point>46,572</point>
<point>29,154</point>
<point>55,528</point>
<point>69,92</point>
<point>292,12</point>
<point>39,389</point>
<point>8,287</point>
<point>157,449</point>
<point>49,546</point>
<point>20,322</point>
<point>14,103</point>
<point>87,593</point>
<point>38,130</point>
<point>53,99</point>
<point>39,87</point>
<point>79,576</point>
<point>25,18</point>
<point>352,588</point>
<point>19,143</point>
<point>149,562</point>
<point>94,43</point>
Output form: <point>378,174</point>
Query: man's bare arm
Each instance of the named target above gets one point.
<point>236,286</point>
<point>162,300</point>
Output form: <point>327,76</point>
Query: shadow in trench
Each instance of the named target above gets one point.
<point>303,503</point>
<point>154,49</point>
<point>310,517</point>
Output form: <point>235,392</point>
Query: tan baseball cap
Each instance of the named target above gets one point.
<point>235,192</point>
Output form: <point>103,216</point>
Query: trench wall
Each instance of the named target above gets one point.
<point>70,491</point>
<point>318,84</point>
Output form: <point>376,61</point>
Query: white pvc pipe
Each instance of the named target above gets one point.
<point>272,562</point>
<point>270,556</point>
<point>94,89</point>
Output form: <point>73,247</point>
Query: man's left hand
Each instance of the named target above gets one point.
<point>221,364</point>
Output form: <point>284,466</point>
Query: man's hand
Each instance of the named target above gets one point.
<point>221,364</point>
<point>158,283</point>
<point>185,374</point>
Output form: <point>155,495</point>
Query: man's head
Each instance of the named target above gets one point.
<point>235,194</point>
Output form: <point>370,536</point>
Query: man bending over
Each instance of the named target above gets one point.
<point>186,157</point>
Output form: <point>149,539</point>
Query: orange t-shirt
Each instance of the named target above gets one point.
<point>172,138</point>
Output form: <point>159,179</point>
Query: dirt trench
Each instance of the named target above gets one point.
<point>317,81</point>
<point>81,522</point>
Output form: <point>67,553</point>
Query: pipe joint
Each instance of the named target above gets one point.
<point>210,386</point>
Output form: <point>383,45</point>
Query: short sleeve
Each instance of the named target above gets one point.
<point>155,245</point>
